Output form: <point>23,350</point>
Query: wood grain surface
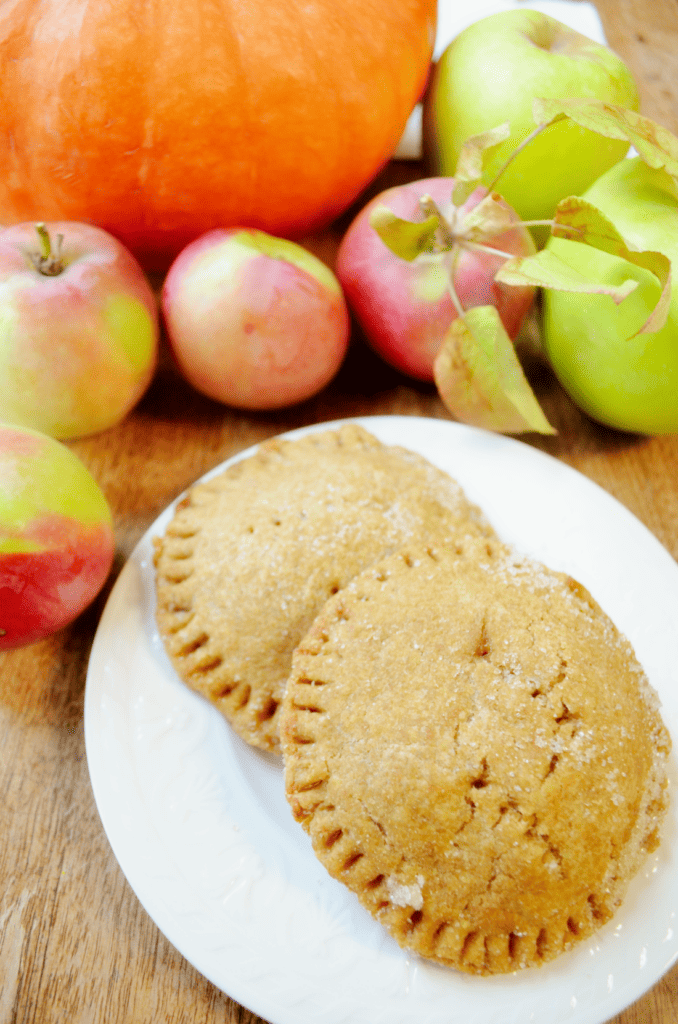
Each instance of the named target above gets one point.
<point>75,944</point>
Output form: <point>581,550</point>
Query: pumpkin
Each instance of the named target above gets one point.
<point>158,120</point>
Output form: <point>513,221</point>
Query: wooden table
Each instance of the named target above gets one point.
<point>75,945</point>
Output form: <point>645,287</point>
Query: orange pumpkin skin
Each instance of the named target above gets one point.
<point>158,120</point>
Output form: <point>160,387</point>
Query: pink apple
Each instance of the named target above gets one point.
<point>78,329</point>
<point>254,321</point>
<point>405,308</point>
<point>56,537</point>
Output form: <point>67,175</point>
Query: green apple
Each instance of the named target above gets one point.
<point>617,373</point>
<point>491,73</point>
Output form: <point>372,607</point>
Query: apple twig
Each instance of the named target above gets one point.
<point>479,247</point>
<point>518,149</point>
<point>449,266</point>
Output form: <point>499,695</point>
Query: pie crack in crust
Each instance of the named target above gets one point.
<point>251,555</point>
<point>476,753</point>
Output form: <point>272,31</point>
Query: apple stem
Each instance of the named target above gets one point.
<point>479,247</point>
<point>519,148</point>
<point>450,263</point>
<point>48,261</point>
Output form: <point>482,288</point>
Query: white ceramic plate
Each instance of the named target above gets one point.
<point>200,826</point>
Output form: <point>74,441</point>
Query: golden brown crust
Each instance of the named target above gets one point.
<point>476,753</point>
<point>251,555</point>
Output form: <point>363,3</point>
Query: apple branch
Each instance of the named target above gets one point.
<point>449,266</point>
<point>519,148</point>
<point>479,247</point>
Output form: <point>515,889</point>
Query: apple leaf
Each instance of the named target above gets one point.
<point>655,144</point>
<point>406,238</point>
<point>480,379</point>
<point>473,158</point>
<point>659,314</point>
<point>491,217</point>
<point>546,270</point>
<point>579,220</point>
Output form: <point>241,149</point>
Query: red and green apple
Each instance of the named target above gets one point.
<point>254,321</point>
<point>406,306</point>
<point>56,536</point>
<point>78,329</point>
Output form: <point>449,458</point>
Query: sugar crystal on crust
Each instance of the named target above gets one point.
<point>251,555</point>
<point>476,753</point>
